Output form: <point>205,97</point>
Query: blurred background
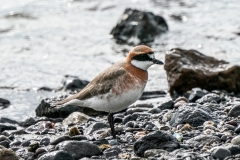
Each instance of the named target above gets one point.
<point>41,41</point>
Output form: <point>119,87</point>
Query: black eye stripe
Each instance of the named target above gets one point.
<point>143,57</point>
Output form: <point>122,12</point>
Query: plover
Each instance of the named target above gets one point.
<point>118,86</point>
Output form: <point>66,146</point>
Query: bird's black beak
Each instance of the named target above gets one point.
<point>156,61</point>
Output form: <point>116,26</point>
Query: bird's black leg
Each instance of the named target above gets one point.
<point>110,121</point>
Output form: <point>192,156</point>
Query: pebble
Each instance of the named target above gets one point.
<point>191,113</point>
<point>234,111</point>
<point>112,152</point>
<point>76,118</point>
<point>154,152</point>
<point>155,140</point>
<point>6,126</point>
<point>220,152</point>
<point>209,98</point>
<point>236,140</point>
<point>56,155</point>
<point>79,149</point>
<point>166,105</point>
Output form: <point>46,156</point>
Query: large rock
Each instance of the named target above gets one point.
<point>187,69</point>
<point>138,27</point>
<point>191,113</point>
<point>46,108</point>
<point>79,149</point>
<point>156,140</point>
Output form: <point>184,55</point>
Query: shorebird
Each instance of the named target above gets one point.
<point>118,86</point>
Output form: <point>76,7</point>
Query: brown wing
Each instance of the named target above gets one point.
<point>99,85</point>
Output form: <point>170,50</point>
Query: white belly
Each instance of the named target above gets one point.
<point>110,102</point>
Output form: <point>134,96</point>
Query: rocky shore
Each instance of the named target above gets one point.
<point>200,125</point>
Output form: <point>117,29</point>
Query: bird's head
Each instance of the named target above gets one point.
<point>142,57</point>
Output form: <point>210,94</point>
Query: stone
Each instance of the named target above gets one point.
<point>4,103</point>
<point>135,27</point>
<point>154,111</point>
<point>112,152</point>
<point>45,141</point>
<point>154,152</point>
<point>66,138</point>
<point>6,126</point>
<point>208,98</point>
<point>187,69</point>
<point>166,105</point>
<point>128,118</point>
<point>236,140</point>
<point>220,152</point>
<point>155,140</point>
<point>237,129</point>
<point>73,83</point>
<point>7,154</point>
<point>202,140</point>
<point>234,111</point>
<point>7,120</point>
<point>56,155</point>
<point>76,118</point>
<point>234,149</point>
<point>96,126</point>
<point>79,149</point>
<point>191,113</point>
<point>152,94</point>
<point>5,143</point>
<point>47,108</point>
<point>196,94</point>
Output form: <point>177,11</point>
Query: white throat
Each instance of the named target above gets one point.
<point>144,65</point>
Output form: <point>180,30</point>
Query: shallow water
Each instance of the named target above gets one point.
<point>49,39</point>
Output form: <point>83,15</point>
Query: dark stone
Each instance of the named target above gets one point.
<point>154,111</point>
<point>220,152</point>
<point>5,143</point>
<point>196,94</point>
<point>138,27</point>
<point>49,110</point>
<point>7,120</point>
<point>79,149</point>
<point>237,130</point>
<point>152,94</point>
<point>187,69</point>
<point>130,118</point>
<point>73,83</point>
<point>112,152</point>
<point>66,138</point>
<point>26,143</point>
<point>45,141</point>
<point>203,140</point>
<point>4,103</point>
<point>45,89</point>
<point>15,143</point>
<point>166,105</point>
<point>155,140</point>
<point>208,98</point>
<point>56,155</point>
<point>191,113</point>
<point>29,121</point>
<point>6,126</point>
<point>235,111</point>
<point>234,149</point>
